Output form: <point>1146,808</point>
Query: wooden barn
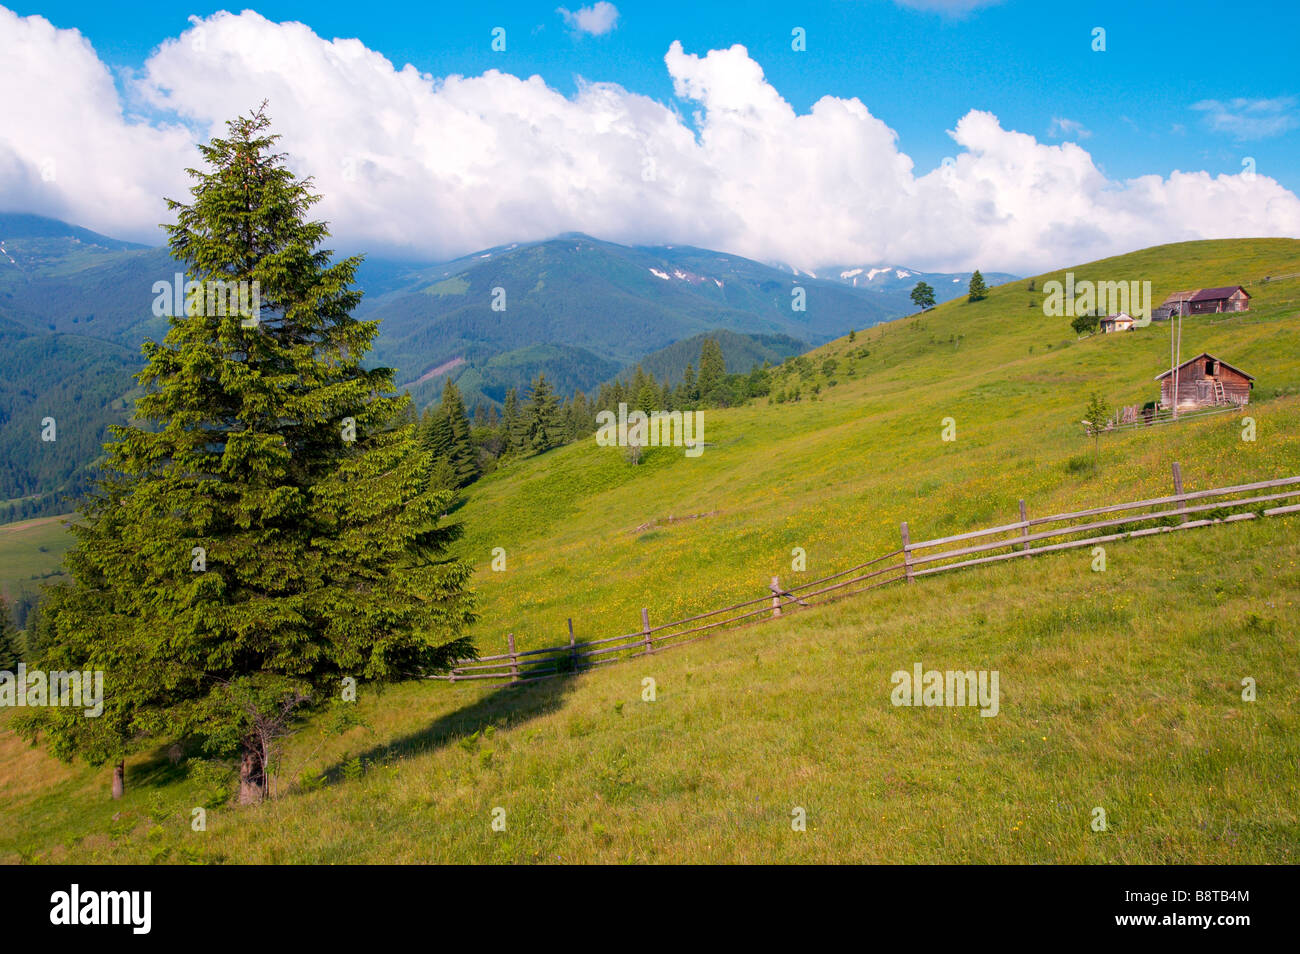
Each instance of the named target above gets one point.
<point>1205,381</point>
<point>1177,303</point>
<point>1209,301</point>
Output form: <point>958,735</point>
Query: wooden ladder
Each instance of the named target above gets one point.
<point>1219,396</point>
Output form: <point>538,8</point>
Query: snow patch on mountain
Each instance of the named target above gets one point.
<point>684,276</point>
<point>862,275</point>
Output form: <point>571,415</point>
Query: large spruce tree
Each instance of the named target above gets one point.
<point>460,446</point>
<point>513,422</point>
<point>713,369</point>
<point>545,426</point>
<point>9,648</point>
<point>268,524</point>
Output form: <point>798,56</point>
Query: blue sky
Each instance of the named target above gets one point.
<point>1028,61</point>
<point>948,133</point>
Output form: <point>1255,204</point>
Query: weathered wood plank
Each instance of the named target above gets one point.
<point>1178,488</point>
<point>907,553</point>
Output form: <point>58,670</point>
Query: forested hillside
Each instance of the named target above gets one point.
<point>75,307</point>
<point>601,303</point>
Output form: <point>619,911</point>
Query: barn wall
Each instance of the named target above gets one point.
<point>1235,386</point>
<point>1195,388</point>
<point>1236,302</point>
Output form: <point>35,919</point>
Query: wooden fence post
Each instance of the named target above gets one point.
<point>776,596</point>
<point>1178,488</point>
<point>645,628</point>
<point>907,553</point>
<point>573,649</point>
<point>514,658</point>
<point>1024,518</point>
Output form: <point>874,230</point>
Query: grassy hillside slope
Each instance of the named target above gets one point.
<point>837,475</point>
<point>1120,690</point>
<point>31,555</point>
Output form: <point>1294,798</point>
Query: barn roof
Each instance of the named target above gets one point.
<point>1205,354</point>
<point>1214,294</point>
<point>1180,296</point>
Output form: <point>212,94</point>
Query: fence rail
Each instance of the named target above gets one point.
<point>1275,278</point>
<point>1183,510</point>
<point>1132,417</point>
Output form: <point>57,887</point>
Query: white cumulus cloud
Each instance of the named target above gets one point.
<point>441,166</point>
<point>597,19</point>
<point>67,147</point>
<point>1062,128</point>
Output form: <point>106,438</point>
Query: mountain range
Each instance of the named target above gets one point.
<point>896,278</point>
<point>582,310</point>
<point>75,307</point>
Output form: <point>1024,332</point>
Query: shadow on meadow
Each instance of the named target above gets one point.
<point>507,705</point>
<point>163,766</point>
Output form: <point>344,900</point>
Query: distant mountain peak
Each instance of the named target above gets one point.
<point>884,276</point>
<point>576,237</point>
<point>26,225</point>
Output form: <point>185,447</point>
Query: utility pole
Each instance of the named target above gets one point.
<point>1175,351</point>
<point>1178,359</point>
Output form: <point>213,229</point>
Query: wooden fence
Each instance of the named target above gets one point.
<point>1183,510</point>
<point>1133,416</point>
<point>1275,278</point>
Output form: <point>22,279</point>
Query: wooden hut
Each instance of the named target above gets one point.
<point>1205,381</point>
<point>1177,303</point>
<point>1121,322</point>
<point>1208,301</point>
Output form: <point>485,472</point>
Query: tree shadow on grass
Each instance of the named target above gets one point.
<point>503,707</point>
<point>159,769</point>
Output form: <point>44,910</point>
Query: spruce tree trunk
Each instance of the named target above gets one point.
<point>252,776</point>
<point>119,778</point>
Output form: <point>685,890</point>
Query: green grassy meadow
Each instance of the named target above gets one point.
<point>1119,690</point>
<point>30,551</point>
